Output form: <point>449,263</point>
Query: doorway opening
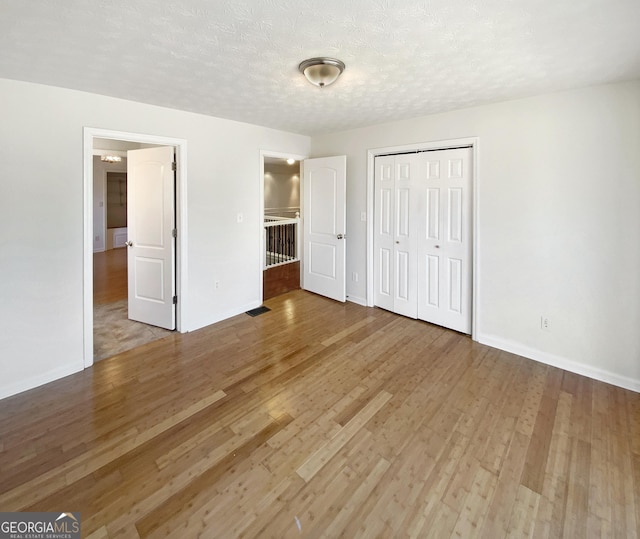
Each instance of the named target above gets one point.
<point>107,330</point>
<point>321,233</point>
<point>113,329</point>
<point>281,224</point>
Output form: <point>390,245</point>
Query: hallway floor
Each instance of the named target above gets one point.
<point>113,332</point>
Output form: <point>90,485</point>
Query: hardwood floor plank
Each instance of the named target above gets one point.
<point>632,405</point>
<point>344,512</point>
<point>620,469</point>
<point>524,513</point>
<point>504,495</point>
<point>635,480</point>
<point>196,492</point>
<point>337,337</point>
<point>535,390</point>
<point>578,490</point>
<point>110,275</point>
<point>316,461</point>
<point>536,459</point>
<point>476,503</point>
<point>100,533</point>
<point>599,500</point>
<point>552,504</point>
<point>439,523</point>
<point>355,421</point>
<point>581,410</point>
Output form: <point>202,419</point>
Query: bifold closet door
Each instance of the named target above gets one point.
<point>395,233</point>
<point>445,239</point>
<point>423,236</point>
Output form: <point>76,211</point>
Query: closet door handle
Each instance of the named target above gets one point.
<point>129,243</point>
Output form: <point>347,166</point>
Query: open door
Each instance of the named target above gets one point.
<point>151,241</point>
<point>324,187</point>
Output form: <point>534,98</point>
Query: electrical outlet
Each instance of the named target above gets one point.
<point>97,238</point>
<point>216,284</point>
<point>354,277</point>
<point>240,218</point>
<point>545,323</point>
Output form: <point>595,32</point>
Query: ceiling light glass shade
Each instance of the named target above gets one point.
<point>321,71</point>
<point>111,158</point>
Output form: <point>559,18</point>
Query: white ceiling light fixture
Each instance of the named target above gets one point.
<point>291,161</point>
<point>321,71</point>
<point>111,158</point>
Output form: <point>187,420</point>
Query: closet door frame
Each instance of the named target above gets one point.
<point>474,142</point>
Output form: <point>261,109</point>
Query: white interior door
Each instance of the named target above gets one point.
<point>395,237</point>
<point>445,242</point>
<point>324,216</point>
<point>151,242</point>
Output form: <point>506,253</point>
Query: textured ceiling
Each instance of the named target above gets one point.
<point>238,59</point>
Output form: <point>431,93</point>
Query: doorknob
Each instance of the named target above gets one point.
<point>341,236</point>
<point>128,243</point>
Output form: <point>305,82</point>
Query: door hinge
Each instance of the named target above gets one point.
<point>175,300</point>
<point>174,233</point>
<point>174,166</point>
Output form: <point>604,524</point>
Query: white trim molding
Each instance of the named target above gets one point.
<point>40,380</point>
<point>560,362</point>
<point>357,300</point>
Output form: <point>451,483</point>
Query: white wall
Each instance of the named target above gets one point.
<point>41,218</point>
<point>559,221</point>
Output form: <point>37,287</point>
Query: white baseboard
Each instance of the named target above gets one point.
<point>358,300</point>
<point>560,362</point>
<point>224,316</point>
<point>40,380</point>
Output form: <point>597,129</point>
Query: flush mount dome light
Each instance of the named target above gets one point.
<point>321,71</point>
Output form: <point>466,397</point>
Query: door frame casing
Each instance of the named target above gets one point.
<point>474,142</point>
<point>180,145</point>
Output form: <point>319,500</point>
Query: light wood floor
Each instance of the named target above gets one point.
<point>318,419</point>
<point>110,276</point>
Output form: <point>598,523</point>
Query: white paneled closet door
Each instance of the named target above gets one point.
<point>395,238</point>
<point>423,236</point>
<point>445,240</point>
